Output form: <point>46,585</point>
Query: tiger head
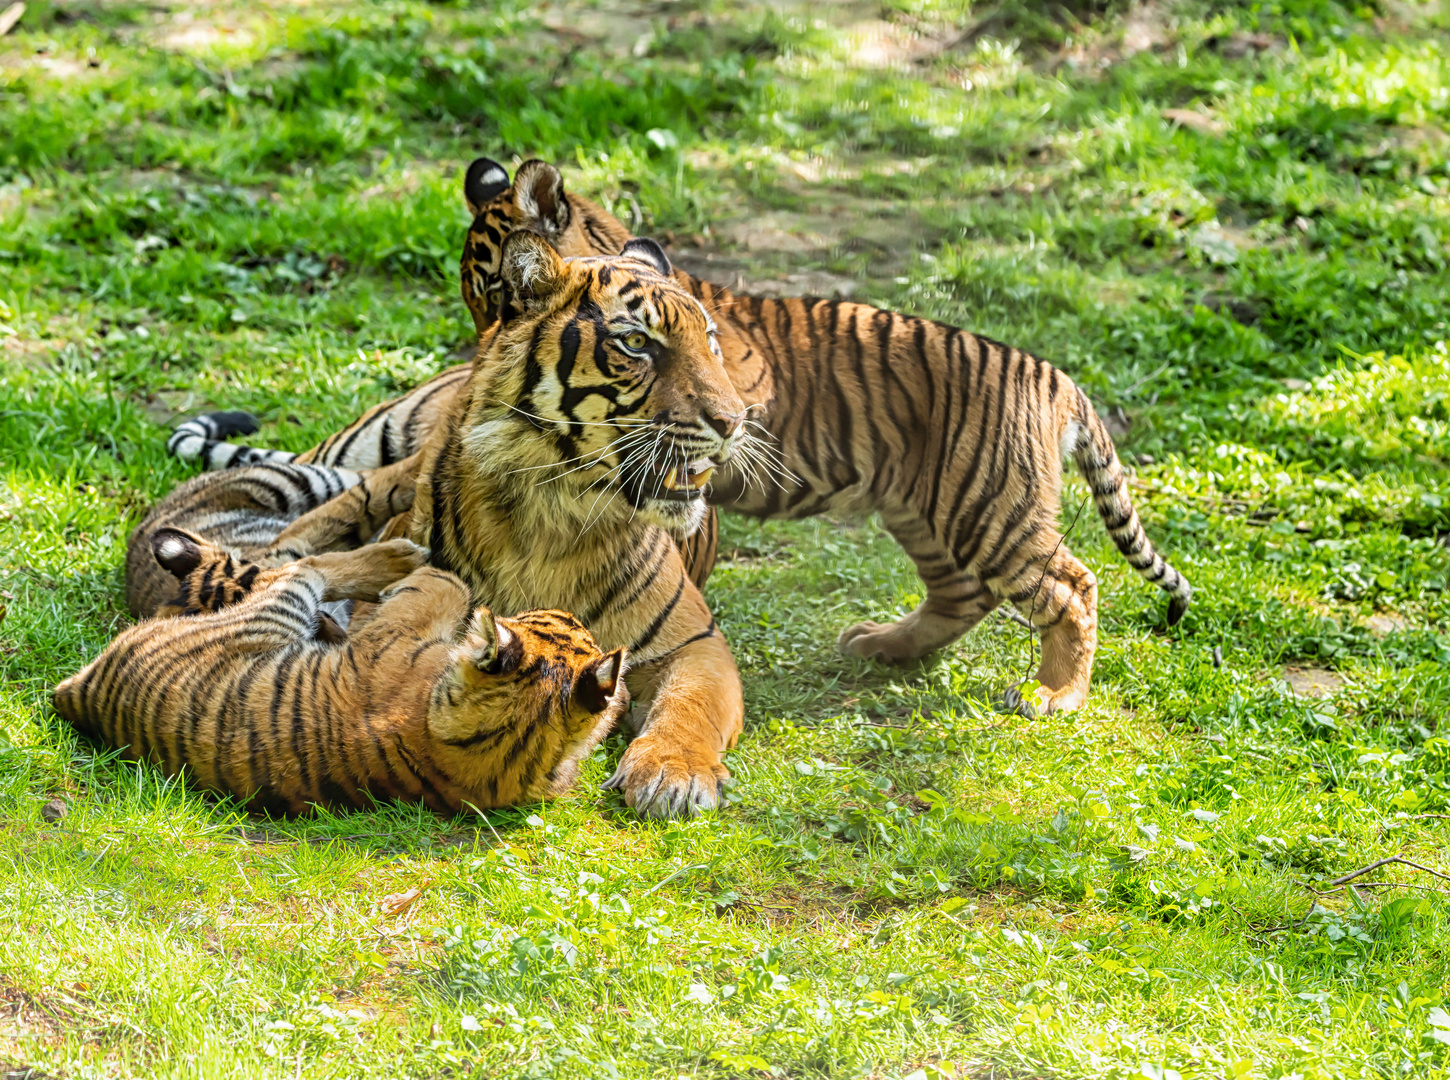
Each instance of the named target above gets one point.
<point>543,670</point>
<point>600,394</point>
<point>208,577</point>
<point>534,200</point>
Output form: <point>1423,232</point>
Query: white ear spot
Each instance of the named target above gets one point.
<point>607,671</point>
<point>494,176</point>
<point>504,637</point>
<point>171,548</point>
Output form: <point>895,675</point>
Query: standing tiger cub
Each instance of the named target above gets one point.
<point>432,701</point>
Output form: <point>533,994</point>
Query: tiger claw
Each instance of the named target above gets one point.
<point>673,786</point>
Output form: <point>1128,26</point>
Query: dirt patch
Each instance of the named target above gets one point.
<point>1205,123</point>
<point>32,352</point>
<point>24,1015</point>
<point>1313,682</point>
<point>875,43</point>
<point>1386,624</point>
<point>190,35</point>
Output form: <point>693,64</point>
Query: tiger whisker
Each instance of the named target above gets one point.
<point>567,461</point>
<point>585,423</point>
<point>598,460</point>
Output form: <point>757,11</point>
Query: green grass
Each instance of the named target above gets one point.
<point>257,206</point>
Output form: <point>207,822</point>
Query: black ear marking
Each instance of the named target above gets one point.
<point>177,552</point>
<point>539,195</point>
<point>596,684</point>
<point>646,250</point>
<point>485,181</point>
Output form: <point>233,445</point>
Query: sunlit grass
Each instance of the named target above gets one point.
<point>258,208</point>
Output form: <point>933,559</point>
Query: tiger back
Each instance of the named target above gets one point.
<point>432,701</point>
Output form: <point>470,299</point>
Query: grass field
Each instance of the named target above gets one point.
<point>1229,221</point>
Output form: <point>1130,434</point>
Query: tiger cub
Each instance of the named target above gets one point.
<point>254,516</point>
<point>431,701</point>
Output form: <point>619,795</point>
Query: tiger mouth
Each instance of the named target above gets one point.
<point>685,482</point>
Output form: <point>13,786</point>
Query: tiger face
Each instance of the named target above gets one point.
<point>534,200</point>
<point>601,390</point>
<point>542,665</point>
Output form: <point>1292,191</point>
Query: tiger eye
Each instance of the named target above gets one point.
<point>636,341</point>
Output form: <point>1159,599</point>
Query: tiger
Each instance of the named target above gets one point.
<point>252,514</point>
<point>596,411</point>
<point>955,440</point>
<point>433,700</point>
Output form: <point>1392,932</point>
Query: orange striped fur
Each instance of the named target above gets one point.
<point>431,701</point>
<point>252,514</point>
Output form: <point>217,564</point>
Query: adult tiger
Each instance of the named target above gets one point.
<point>954,439</point>
<point>431,701</point>
<point>594,414</point>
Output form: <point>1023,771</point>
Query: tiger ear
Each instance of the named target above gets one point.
<point>178,552</point>
<point>485,181</point>
<point>530,266</point>
<point>596,684</point>
<point>492,647</point>
<point>647,251</point>
<point>539,196</point>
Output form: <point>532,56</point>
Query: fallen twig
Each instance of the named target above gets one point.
<point>1347,878</point>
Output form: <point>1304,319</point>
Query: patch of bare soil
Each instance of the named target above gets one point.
<point>1386,624</point>
<point>189,33</point>
<point>1312,682</point>
<point>807,253</point>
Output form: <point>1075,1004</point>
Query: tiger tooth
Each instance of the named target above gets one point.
<point>700,479</point>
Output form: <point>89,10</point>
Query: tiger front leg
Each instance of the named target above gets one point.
<point>673,767</point>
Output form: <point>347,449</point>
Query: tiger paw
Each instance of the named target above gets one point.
<point>1064,700</point>
<point>890,643</point>
<point>669,782</point>
<point>367,572</point>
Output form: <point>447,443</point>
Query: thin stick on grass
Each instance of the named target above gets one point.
<point>1347,878</point>
<point>10,16</point>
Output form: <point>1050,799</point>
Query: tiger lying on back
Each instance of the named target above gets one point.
<point>955,440</point>
<point>431,701</point>
<point>253,515</point>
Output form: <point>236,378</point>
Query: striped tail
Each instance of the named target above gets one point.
<point>204,437</point>
<point>1092,448</point>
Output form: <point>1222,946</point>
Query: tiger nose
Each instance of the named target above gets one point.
<point>726,424</point>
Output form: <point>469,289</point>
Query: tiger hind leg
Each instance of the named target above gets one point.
<point>1058,595</point>
<point>955,602</point>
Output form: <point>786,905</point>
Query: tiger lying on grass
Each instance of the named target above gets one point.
<point>955,440</point>
<point>431,701</point>
<point>252,514</point>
